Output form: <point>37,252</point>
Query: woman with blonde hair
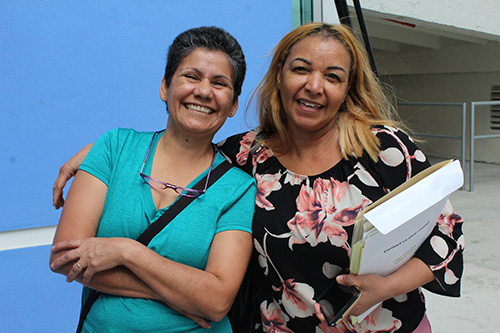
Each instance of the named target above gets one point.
<point>328,145</point>
<point>366,101</point>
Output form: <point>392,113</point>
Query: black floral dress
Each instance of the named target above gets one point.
<point>303,228</point>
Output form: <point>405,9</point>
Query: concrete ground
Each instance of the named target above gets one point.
<point>478,310</point>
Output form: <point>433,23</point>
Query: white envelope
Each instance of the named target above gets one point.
<point>389,232</point>
<point>416,198</point>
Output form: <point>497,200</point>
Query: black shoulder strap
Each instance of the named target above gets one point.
<point>158,226</point>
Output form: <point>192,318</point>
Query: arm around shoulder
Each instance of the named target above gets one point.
<point>81,214</point>
<point>67,171</point>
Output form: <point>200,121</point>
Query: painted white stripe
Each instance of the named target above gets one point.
<point>22,238</point>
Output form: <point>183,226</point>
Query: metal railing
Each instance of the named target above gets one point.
<point>474,137</point>
<point>462,137</point>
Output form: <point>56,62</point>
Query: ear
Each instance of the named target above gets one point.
<point>163,90</point>
<point>278,79</point>
<point>233,109</point>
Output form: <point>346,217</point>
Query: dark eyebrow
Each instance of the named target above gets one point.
<point>216,77</point>
<point>301,59</point>
<point>219,76</point>
<point>192,68</point>
<point>337,68</point>
<point>329,67</point>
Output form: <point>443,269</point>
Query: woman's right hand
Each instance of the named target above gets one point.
<point>92,255</point>
<point>66,172</point>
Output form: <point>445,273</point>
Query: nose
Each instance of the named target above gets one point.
<point>203,89</point>
<point>314,83</point>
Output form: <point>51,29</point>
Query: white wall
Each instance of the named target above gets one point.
<point>478,15</point>
<point>456,59</point>
<point>459,73</point>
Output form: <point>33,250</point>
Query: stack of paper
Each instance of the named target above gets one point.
<point>388,233</point>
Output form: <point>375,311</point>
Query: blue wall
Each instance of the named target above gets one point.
<point>32,298</point>
<point>70,70</point>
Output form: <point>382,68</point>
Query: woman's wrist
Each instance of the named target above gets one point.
<point>128,251</point>
<point>409,277</point>
<point>392,287</point>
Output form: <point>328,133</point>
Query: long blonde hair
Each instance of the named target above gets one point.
<point>366,104</point>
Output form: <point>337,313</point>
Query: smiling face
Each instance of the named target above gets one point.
<point>313,84</point>
<point>200,95</point>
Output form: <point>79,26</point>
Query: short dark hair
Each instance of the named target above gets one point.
<point>210,38</point>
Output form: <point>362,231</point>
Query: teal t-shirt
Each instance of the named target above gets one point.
<point>116,159</point>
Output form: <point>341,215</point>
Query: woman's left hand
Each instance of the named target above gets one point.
<point>90,256</point>
<point>374,289</point>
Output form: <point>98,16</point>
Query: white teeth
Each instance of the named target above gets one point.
<point>199,108</point>
<point>309,105</point>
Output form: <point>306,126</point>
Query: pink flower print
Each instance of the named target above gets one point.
<point>261,154</point>
<point>347,216</point>
<point>245,144</point>
<point>447,220</point>
<point>262,256</point>
<point>316,221</point>
<point>440,246</point>
<point>391,156</point>
<point>265,185</point>
<point>341,189</point>
<point>331,270</point>
<point>347,195</point>
<point>294,179</point>
<point>419,156</point>
<point>449,277</point>
<point>297,298</point>
<point>364,176</point>
<point>273,319</point>
<point>446,223</point>
<point>442,249</point>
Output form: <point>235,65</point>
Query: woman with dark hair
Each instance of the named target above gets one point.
<point>195,265</point>
<point>328,145</point>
